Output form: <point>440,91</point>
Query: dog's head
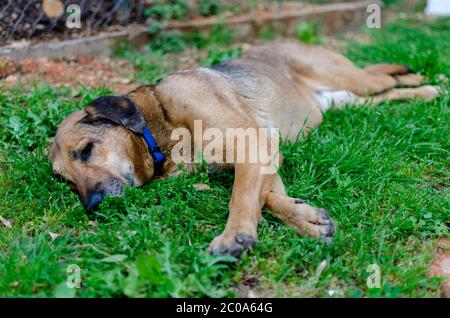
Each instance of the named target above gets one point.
<point>99,150</point>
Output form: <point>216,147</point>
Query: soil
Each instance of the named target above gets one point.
<point>441,265</point>
<point>90,72</point>
<point>115,74</point>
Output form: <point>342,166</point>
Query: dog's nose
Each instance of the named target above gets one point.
<point>93,200</point>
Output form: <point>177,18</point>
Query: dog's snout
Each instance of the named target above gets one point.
<point>93,200</point>
<point>111,187</point>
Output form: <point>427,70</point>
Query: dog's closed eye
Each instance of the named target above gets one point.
<point>86,152</point>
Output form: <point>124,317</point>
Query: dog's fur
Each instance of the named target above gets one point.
<point>284,85</point>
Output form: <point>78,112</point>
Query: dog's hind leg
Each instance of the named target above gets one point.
<point>338,99</point>
<point>426,92</point>
<point>401,73</point>
<point>378,78</point>
<point>308,220</point>
<point>374,79</point>
<point>412,80</point>
<point>388,68</point>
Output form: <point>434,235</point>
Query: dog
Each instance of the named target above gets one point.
<point>119,141</point>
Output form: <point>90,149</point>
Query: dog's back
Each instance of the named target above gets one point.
<point>264,85</point>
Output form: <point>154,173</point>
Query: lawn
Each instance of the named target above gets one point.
<point>382,173</point>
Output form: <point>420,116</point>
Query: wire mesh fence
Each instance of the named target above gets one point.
<point>26,19</point>
<point>47,19</point>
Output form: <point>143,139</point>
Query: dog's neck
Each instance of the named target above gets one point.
<point>147,100</point>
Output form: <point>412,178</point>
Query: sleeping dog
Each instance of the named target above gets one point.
<point>119,141</point>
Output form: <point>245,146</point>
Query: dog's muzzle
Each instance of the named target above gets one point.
<point>113,187</point>
<point>93,200</point>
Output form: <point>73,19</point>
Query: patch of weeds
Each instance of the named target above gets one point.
<point>221,34</point>
<point>197,39</point>
<point>30,265</point>
<point>391,2</point>
<point>406,6</point>
<point>169,41</point>
<point>37,113</point>
<point>209,7</point>
<point>175,41</point>
<point>309,33</point>
<point>151,65</point>
<point>163,275</point>
<point>267,33</point>
<point>216,56</point>
<point>163,10</point>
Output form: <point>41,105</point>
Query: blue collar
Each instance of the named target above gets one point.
<point>155,152</point>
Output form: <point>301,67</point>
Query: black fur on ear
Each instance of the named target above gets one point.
<point>119,110</point>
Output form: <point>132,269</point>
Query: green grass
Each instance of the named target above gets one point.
<point>382,172</point>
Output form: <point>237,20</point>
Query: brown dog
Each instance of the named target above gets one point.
<point>286,85</point>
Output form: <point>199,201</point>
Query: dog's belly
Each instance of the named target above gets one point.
<point>329,98</point>
<point>293,119</point>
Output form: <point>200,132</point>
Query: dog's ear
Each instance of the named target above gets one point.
<point>119,110</point>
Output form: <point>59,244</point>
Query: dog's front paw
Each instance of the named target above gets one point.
<point>231,243</point>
